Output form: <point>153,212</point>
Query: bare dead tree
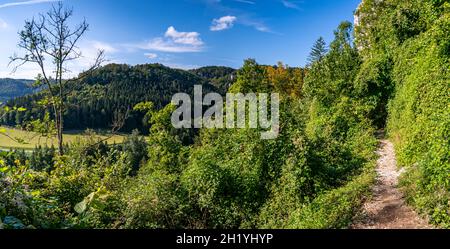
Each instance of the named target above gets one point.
<point>49,37</point>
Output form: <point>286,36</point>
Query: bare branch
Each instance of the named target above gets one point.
<point>50,36</point>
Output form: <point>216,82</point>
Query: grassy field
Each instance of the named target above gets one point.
<point>9,141</point>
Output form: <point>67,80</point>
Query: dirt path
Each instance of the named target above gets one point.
<point>387,208</point>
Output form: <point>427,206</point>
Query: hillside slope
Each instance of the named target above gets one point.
<point>113,88</point>
<point>12,88</point>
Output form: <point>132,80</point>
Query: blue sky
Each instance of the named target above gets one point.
<point>186,33</point>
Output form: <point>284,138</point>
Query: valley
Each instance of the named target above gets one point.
<point>12,139</point>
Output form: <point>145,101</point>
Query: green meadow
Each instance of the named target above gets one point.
<point>21,139</point>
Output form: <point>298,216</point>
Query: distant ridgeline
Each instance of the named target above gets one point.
<point>112,88</point>
<point>12,88</point>
<point>220,77</point>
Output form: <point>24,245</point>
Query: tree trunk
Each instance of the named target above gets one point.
<point>60,133</point>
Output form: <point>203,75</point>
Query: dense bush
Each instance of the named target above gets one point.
<point>336,208</point>
<point>417,68</point>
<point>419,119</point>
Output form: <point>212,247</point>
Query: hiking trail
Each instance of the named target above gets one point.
<point>387,208</point>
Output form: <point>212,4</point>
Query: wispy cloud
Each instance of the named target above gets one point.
<point>151,55</point>
<point>245,1</point>
<point>260,27</point>
<point>174,42</point>
<point>291,4</point>
<point>244,17</point>
<point>256,24</point>
<point>12,4</point>
<point>3,24</point>
<point>225,22</point>
<point>98,45</point>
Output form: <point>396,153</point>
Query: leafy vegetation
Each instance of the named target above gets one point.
<point>407,52</point>
<point>392,70</point>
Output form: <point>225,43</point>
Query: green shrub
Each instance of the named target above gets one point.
<point>335,208</point>
<point>419,122</point>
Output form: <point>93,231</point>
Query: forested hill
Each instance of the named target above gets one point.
<point>220,77</point>
<point>116,87</point>
<point>12,88</point>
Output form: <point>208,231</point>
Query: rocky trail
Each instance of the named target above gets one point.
<point>387,208</point>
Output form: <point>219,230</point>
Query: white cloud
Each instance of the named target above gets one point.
<point>245,1</point>
<point>5,5</point>
<point>151,55</point>
<point>174,42</point>
<point>3,24</point>
<point>186,38</point>
<point>225,22</point>
<point>27,71</point>
<point>243,17</point>
<point>260,26</point>
<point>159,44</point>
<point>97,45</point>
<point>290,4</point>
